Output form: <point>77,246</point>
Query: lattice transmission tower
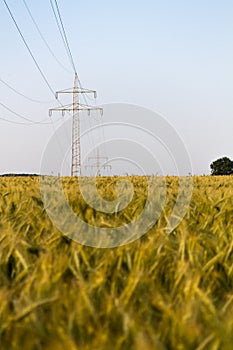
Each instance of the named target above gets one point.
<point>98,164</point>
<point>76,107</point>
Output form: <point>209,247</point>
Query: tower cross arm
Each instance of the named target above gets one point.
<point>76,91</point>
<point>71,108</point>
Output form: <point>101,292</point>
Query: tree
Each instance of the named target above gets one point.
<point>222,166</point>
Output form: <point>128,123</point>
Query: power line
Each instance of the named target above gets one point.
<point>23,117</point>
<point>65,37</point>
<point>42,36</point>
<point>39,69</point>
<point>60,30</point>
<point>34,59</point>
<point>28,48</point>
<point>21,94</point>
<point>14,122</point>
<point>24,123</point>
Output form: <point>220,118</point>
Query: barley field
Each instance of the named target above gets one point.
<point>163,291</point>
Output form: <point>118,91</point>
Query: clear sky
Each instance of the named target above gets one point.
<point>174,57</point>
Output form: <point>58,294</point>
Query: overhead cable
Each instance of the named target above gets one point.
<point>65,37</point>
<point>23,117</point>
<point>42,36</point>
<point>21,94</point>
<point>28,48</point>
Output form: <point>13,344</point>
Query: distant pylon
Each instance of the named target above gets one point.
<point>75,108</point>
<point>98,164</point>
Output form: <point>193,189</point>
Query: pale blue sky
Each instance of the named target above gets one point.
<point>174,57</point>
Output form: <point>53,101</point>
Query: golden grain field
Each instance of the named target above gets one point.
<point>163,291</point>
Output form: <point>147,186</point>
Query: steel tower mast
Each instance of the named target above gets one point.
<point>76,145</point>
<point>76,107</point>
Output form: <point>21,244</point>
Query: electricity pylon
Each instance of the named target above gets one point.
<point>98,164</point>
<point>76,107</point>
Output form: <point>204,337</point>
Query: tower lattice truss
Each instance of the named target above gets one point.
<point>76,108</point>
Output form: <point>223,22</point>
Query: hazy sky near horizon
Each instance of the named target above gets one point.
<point>173,57</point>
